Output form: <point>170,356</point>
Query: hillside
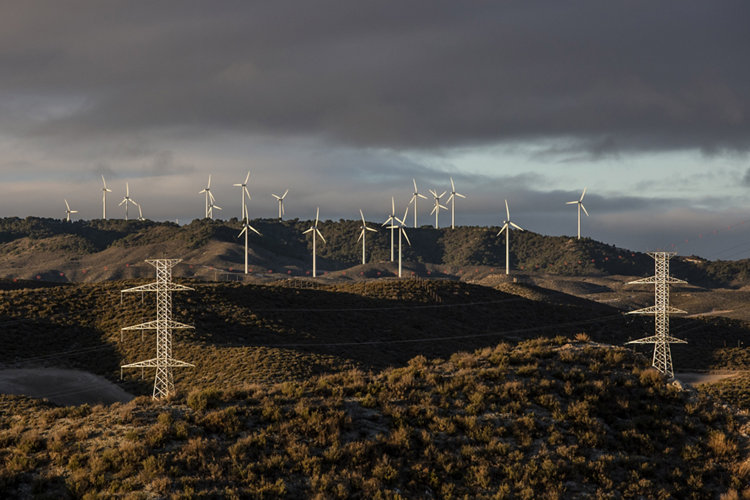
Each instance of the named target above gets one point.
<point>544,419</point>
<point>48,249</point>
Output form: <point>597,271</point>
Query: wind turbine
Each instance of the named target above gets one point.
<point>437,207</point>
<point>314,230</point>
<point>243,193</point>
<point>363,233</point>
<point>281,202</point>
<point>579,202</point>
<point>127,200</point>
<point>245,226</point>
<point>414,197</point>
<point>507,224</point>
<point>209,198</point>
<point>211,207</point>
<point>68,211</point>
<point>391,218</point>
<point>452,201</point>
<point>104,198</point>
<point>400,225</point>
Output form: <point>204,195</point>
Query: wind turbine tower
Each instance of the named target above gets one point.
<point>315,231</point>
<point>163,362</point>
<point>105,190</point>
<point>281,202</point>
<point>399,224</point>
<point>245,226</point>
<point>68,211</point>
<point>127,200</point>
<point>244,192</point>
<point>579,202</point>
<point>210,200</point>
<point>391,219</point>
<point>414,197</point>
<point>661,310</point>
<point>437,207</point>
<point>363,233</point>
<point>452,201</point>
<point>507,224</point>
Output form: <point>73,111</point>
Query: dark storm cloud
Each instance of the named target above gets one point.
<point>603,76</point>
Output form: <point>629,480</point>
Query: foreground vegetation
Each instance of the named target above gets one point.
<point>544,419</point>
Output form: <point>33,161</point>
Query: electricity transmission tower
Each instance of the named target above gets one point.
<point>163,362</point>
<point>661,310</point>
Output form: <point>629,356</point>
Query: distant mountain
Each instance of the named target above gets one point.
<point>53,250</point>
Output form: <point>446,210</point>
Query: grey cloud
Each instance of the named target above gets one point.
<point>606,76</point>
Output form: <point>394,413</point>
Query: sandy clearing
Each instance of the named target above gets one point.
<point>61,386</point>
<point>697,378</point>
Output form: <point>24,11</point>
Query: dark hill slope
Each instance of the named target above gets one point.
<point>544,419</point>
<point>98,249</point>
<point>295,329</point>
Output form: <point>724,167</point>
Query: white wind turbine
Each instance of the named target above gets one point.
<point>127,200</point>
<point>391,218</point>
<point>210,200</point>
<point>363,233</point>
<point>105,190</point>
<point>68,211</point>
<point>315,231</point>
<point>507,224</point>
<point>452,201</point>
<point>437,207</point>
<point>579,202</point>
<point>416,194</point>
<point>399,224</point>
<point>281,202</point>
<point>245,226</point>
<point>244,192</point>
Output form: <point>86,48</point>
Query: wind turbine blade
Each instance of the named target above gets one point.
<point>433,193</point>
<point>254,230</point>
<point>403,231</point>
<point>247,193</point>
<point>507,210</point>
<point>320,234</point>
<point>127,189</point>
<point>124,200</point>
<point>244,230</point>
<point>361,234</point>
<point>276,196</point>
<point>516,226</point>
<point>371,229</point>
<point>583,194</point>
<point>406,212</point>
<point>74,211</point>
<point>460,195</point>
<point>363,217</point>
<point>317,216</point>
<point>415,186</point>
<point>572,202</point>
<point>584,210</point>
<point>453,186</point>
<point>66,205</point>
<point>217,207</point>
<point>393,205</point>
<point>283,212</point>
<point>201,191</point>
<point>209,182</point>
<point>413,197</point>
<point>246,178</point>
<point>442,206</point>
<point>442,194</point>
<point>504,228</point>
<point>283,195</point>
<point>433,209</point>
<point>308,230</point>
<point>450,198</point>
<point>421,196</point>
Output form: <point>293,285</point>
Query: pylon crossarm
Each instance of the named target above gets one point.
<point>655,339</point>
<point>154,363</point>
<point>149,363</point>
<point>153,287</point>
<point>656,310</point>
<point>655,279</point>
<point>153,325</point>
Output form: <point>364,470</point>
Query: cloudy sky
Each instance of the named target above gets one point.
<point>343,103</point>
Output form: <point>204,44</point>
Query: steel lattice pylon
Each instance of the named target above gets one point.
<point>661,310</point>
<point>163,362</point>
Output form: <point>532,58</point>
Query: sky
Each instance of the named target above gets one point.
<point>343,103</point>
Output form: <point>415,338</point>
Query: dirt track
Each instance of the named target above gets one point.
<point>65,387</point>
